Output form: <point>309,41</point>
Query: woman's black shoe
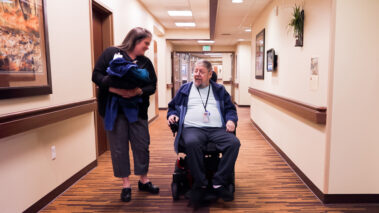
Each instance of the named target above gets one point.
<point>126,194</point>
<point>148,187</point>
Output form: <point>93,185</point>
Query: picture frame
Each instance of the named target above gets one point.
<point>271,60</point>
<point>259,54</point>
<point>24,49</point>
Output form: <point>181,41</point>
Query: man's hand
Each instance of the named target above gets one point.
<point>126,93</point>
<point>230,126</point>
<point>172,119</point>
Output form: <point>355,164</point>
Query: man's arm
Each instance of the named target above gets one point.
<point>230,109</point>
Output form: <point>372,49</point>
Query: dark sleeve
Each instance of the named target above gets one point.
<point>172,106</point>
<point>230,108</point>
<point>150,88</point>
<point>99,74</point>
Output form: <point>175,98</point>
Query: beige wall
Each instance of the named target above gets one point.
<point>227,70</point>
<point>243,73</point>
<point>354,150</point>
<point>303,142</point>
<point>27,172</point>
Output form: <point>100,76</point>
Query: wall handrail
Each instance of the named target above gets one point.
<point>310,112</point>
<point>14,123</point>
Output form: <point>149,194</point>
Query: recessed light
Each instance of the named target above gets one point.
<point>185,24</point>
<point>205,42</point>
<point>241,39</point>
<point>179,13</point>
<point>248,30</point>
<point>237,1</point>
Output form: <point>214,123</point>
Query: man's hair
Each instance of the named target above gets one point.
<point>205,64</point>
<point>134,36</point>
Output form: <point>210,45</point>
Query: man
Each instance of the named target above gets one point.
<point>205,113</point>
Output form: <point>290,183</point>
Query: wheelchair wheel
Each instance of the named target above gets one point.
<point>175,191</point>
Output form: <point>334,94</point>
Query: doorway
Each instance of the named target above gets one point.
<point>102,37</point>
<point>183,64</point>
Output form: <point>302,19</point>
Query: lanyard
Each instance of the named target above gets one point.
<point>206,102</point>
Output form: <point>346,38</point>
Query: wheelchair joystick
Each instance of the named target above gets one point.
<point>174,127</point>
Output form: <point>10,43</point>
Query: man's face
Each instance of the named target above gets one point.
<point>201,76</point>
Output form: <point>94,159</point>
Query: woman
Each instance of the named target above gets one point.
<point>111,88</point>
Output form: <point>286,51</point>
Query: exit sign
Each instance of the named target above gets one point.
<point>206,48</point>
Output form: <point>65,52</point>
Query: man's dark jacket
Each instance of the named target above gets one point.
<point>178,106</point>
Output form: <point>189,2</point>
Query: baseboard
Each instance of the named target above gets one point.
<point>324,198</point>
<point>153,119</point>
<point>60,189</point>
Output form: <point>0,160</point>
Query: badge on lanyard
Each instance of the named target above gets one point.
<point>206,115</point>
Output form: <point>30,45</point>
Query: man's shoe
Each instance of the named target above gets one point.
<point>126,194</point>
<point>148,187</point>
<point>224,193</point>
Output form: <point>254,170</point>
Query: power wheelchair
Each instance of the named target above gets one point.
<point>182,180</point>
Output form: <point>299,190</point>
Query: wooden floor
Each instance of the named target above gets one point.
<point>264,182</point>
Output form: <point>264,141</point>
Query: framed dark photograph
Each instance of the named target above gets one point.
<point>271,60</point>
<point>260,55</point>
<point>24,49</point>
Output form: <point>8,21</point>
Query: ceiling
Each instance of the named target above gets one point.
<point>231,19</point>
<point>199,8</point>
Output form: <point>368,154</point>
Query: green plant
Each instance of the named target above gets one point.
<point>297,23</point>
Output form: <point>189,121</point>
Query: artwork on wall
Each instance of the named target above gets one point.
<point>260,55</point>
<point>24,49</point>
<point>271,60</point>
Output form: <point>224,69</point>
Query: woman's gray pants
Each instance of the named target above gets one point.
<point>138,135</point>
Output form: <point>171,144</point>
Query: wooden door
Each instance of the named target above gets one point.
<point>101,37</point>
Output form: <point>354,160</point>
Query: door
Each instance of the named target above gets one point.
<point>102,38</point>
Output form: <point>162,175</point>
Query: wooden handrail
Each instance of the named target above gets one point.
<point>14,123</point>
<point>312,113</point>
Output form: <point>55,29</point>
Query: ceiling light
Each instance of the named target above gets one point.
<point>237,1</point>
<point>185,24</point>
<point>205,42</point>
<point>248,30</point>
<point>241,39</point>
<point>179,13</point>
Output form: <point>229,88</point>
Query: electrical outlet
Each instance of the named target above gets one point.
<point>53,153</point>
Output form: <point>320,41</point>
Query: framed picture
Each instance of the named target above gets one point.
<point>271,60</point>
<point>24,49</point>
<point>260,55</point>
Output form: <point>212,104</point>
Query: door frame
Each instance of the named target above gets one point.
<point>202,52</point>
<point>108,40</point>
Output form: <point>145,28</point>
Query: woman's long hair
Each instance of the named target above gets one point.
<point>134,36</point>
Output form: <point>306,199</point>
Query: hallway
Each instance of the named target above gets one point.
<point>264,182</point>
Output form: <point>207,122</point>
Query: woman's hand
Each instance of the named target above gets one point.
<point>126,93</point>
<point>230,126</point>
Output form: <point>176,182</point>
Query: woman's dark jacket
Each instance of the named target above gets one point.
<point>104,81</point>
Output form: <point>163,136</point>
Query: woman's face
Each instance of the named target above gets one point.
<point>142,46</point>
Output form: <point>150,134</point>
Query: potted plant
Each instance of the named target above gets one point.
<point>297,23</point>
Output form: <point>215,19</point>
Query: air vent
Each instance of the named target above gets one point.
<point>226,34</point>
